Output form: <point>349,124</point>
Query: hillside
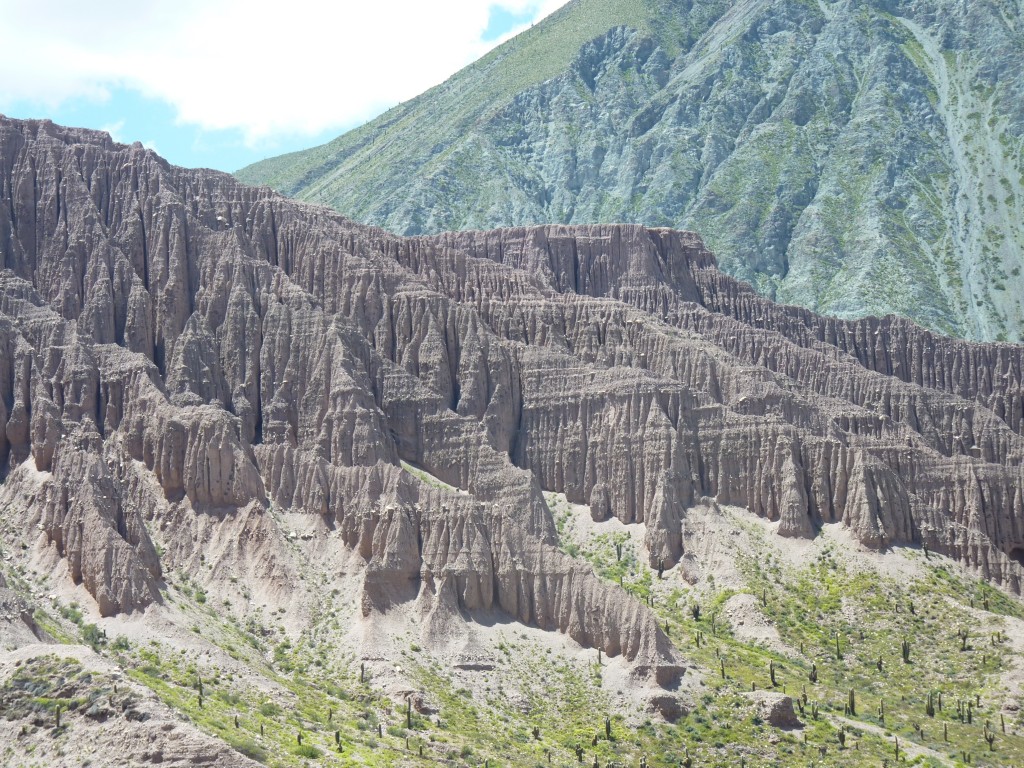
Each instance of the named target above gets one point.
<point>310,492</point>
<point>855,158</point>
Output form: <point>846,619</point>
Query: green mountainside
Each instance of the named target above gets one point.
<point>852,157</point>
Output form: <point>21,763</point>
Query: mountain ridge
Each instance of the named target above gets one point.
<point>852,158</point>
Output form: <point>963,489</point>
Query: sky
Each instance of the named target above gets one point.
<point>224,83</point>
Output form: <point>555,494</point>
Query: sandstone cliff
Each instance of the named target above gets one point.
<point>187,356</point>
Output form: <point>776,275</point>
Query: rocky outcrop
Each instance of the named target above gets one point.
<point>853,158</point>
<point>189,358</point>
<point>776,709</point>
<point>17,624</point>
<point>186,357</point>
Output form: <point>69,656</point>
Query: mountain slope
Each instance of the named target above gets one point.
<point>854,158</point>
<point>331,492</point>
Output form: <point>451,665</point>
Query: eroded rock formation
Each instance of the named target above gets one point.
<point>182,353</point>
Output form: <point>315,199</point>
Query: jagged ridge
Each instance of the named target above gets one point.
<point>182,351</point>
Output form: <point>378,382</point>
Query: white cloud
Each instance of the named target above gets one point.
<point>263,67</point>
<point>115,130</point>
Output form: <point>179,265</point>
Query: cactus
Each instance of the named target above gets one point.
<point>579,753</point>
<point>905,648</point>
<point>813,674</point>
<point>878,664</point>
<point>852,703</point>
<point>929,708</point>
<point>661,567</point>
<point>337,738</point>
<point>771,673</point>
<point>57,715</point>
<point>236,721</point>
<point>897,738</point>
<point>536,733</point>
<point>298,737</point>
<point>839,650</point>
<point>881,710</point>
<point>695,610</point>
<point>722,662</point>
<point>964,636</point>
<point>842,736</point>
<point>362,672</point>
<point>608,728</point>
<point>764,596</point>
<point>599,657</point>
<point>814,710</point>
<point>261,730</point>
<point>990,737</point>
<point>408,713</point>
<point>618,551</point>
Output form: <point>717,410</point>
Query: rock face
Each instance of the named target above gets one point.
<point>188,357</point>
<point>182,355</point>
<point>855,158</point>
<point>17,625</point>
<point>776,709</point>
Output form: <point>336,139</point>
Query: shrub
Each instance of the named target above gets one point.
<point>92,636</point>
<point>269,709</point>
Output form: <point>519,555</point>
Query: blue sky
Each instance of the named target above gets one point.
<point>224,83</point>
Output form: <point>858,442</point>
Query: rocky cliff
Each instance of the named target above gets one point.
<point>187,358</point>
<point>854,158</point>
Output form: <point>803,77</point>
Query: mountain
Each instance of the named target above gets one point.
<point>527,494</point>
<point>856,158</point>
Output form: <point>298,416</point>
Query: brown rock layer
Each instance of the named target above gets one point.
<point>186,355</point>
<point>169,329</point>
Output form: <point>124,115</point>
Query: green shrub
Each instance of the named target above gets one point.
<point>92,636</point>
<point>269,709</point>
<point>307,750</point>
